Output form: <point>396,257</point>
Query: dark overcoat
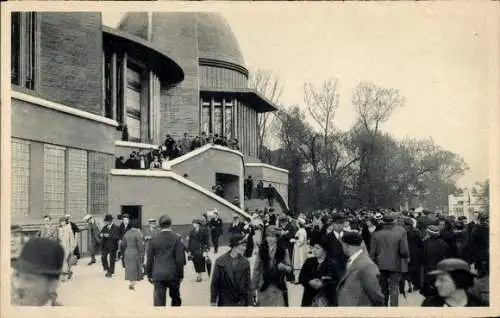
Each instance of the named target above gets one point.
<point>231,284</point>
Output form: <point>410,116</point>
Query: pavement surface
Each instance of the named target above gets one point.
<point>90,288</point>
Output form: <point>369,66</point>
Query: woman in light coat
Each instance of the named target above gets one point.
<point>68,242</point>
<point>133,255</point>
<point>299,248</point>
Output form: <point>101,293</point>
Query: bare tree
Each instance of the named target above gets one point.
<point>269,86</point>
<point>374,105</point>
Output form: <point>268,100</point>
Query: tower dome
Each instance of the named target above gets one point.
<point>173,32</point>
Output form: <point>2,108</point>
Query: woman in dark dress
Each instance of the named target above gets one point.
<point>271,264</point>
<point>319,276</point>
<point>198,248</point>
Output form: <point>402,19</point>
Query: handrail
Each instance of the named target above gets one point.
<point>199,151</point>
<point>173,175</point>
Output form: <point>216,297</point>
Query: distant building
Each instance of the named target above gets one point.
<point>467,205</point>
<point>77,83</point>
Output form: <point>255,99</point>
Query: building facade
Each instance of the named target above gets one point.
<point>467,205</point>
<point>76,85</point>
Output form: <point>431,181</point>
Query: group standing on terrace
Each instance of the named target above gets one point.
<point>172,149</point>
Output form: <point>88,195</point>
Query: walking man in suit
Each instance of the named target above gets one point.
<point>110,235</point>
<point>389,250</point>
<point>216,230</point>
<point>95,238</point>
<point>165,263</point>
<point>359,286</point>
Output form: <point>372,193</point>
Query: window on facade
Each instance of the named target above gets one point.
<point>205,117</point>
<point>23,49</point>
<point>20,180</point>
<point>99,165</point>
<point>133,98</point>
<point>132,95</point>
<point>228,123</point>
<point>217,116</point>
<point>77,182</point>
<point>54,170</point>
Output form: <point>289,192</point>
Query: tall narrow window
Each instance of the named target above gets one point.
<point>133,97</point>
<point>205,117</point>
<point>15,62</point>
<point>108,88</point>
<point>30,50</point>
<point>23,49</point>
<point>20,179</point>
<point>218,117</point>
<point>77,182</point>
<point>99,165</point>
<point>54,172</point>
<point>228,119</point>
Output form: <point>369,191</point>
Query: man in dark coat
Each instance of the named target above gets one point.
<point>110,235</point>
<point>231,285</point>
<point>237,226</point>
<point>332,234</point>
<point>389,250</point>
<point>216,229</point>
<point>165,263</point>
<point>434,251</point>
<point>415,245</point>
<point>480,241</point>
<point>288,230</point>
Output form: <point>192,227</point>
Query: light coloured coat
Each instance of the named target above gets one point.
<point>359,286</point>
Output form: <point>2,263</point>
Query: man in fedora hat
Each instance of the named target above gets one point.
<point>95,238</point>
<point>36,273</point>
<point>389,250</point>
<point>231,277</point>
<point>110,235</point>
<point>359,285</point>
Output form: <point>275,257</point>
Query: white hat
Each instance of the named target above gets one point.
<point>378,216</point>
<point>67,216</point>
<point>301,221</point>
<point>87,217</point>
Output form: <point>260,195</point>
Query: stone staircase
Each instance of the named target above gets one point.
<point>256,203</point>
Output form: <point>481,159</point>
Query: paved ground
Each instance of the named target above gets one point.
<point>90,288</point>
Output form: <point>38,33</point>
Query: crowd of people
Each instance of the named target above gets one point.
<point>348,258</point>
<point>172,149</point>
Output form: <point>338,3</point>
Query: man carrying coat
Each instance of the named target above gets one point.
<point>389,250</point>
<point>359,286</point>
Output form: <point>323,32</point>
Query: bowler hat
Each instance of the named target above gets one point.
<point>388,219</point>
<point>352,238</point>
<point>338,218</point>
<point>451,264</point>
<point>125,215</point>
<point>108,218</point>
<point>237,239</point>
<point>41,256</point>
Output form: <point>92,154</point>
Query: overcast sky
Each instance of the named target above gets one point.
<point>439,59</point>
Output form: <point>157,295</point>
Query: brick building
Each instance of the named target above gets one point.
<point>76,83</point>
